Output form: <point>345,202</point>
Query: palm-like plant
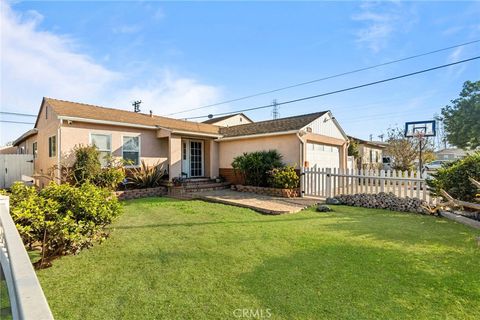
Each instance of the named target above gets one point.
<point>146,176</point>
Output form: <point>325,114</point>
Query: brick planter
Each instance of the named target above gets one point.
<point>141,193</point>
<point>274,192</point>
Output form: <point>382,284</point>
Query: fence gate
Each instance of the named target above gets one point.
<point>328,182</point>
<point>13,167</point>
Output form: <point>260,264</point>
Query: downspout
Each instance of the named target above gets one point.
<point>301,164</point>
<point>59,151</point>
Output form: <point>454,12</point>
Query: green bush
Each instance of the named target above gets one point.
<point>87,164</point>
<point>145,176</point>
<point>62,219</point>
<point>284,178</point>
<point>255,166</point>
<point>453,178</point>
<point>87,167</point>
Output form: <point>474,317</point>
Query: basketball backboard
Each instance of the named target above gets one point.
<point>420,129</point>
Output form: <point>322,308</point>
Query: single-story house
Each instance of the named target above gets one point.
<point>370,153</point>
<point>450,154</point>
<point>185,148</point>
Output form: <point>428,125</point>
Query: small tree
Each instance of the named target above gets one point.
<point>405,150</point>
<point>353,149</point>
<point>462,118</point>
<point>87,164</point>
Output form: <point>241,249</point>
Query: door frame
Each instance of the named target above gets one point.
<point>186,157</point>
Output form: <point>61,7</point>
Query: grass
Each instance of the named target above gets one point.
<point>172,259</point>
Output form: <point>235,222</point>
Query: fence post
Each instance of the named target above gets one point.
<point>328,182</point>
<point>302,181</point>
<point>382,181</point>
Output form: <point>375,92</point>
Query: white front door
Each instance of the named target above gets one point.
<point>192,158</point>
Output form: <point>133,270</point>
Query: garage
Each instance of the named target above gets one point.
<point>322,155</point>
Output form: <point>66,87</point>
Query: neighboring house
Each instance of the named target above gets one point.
<point>450,154</point>
<point>230,120</point>
<point>370,154</point>
<point>185,148</point>
<point>8,150</point>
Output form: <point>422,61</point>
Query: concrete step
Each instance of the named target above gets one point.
<point>206,185</point>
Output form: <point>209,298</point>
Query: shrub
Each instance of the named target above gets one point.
<point>453,178</point>
<point>145,176</point>
<point>63,219</point>
<point>87,168</point>
<point>255,166</point>
<point>87,165</point>
<point>285,178</point>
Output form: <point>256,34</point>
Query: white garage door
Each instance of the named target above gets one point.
<point>323,156</point>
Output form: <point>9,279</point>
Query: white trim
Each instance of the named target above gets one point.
<point>199,134</point>
<point>103,134</point>
<point>139,149</point>
<point>250,136</point>
<point>113,123</point>
<point>189,159</point>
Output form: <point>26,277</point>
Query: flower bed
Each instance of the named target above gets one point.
<point>141,193</point>
<point>275,192</point>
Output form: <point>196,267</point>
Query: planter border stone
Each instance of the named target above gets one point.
<point>274,192</point>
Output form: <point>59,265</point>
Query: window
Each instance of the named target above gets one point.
<point>34,149</point>
<point>184,151</point>
<point>103,142</point>
<point>131,150</point>
<point>52,146</point>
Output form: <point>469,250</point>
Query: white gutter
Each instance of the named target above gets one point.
<point>250,136</point>
<point>213,135</point>
<point>113,123</point>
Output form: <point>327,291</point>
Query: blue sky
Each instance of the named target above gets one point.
<point>176,56</point>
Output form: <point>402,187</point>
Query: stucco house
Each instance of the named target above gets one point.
<point>185,148</point>
<point>450,154</point>
<point>370,154</point>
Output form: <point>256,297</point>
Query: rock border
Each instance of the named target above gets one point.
<point>274,192</point>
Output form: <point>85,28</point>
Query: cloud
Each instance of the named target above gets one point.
<point>37,63</point>
<point>379,21</point>
<point>127,29</point>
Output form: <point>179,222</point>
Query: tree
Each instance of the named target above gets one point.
<point>353,149</point>
<point>405,150</point>
<point>462,118</point>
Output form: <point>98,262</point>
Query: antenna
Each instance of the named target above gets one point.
<point>136,105</point>
<point>275,112</point>
<point>381,136</point>
<point>371,137</point>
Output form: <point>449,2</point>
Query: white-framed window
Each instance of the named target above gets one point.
<point>52,146</point>
<point>131,150</point>
<point>103,142</point>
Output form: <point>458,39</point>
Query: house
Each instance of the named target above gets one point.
<point>450,154</point>
<point>229,120</point>
<point>185,148</point>
<point>370,153</point>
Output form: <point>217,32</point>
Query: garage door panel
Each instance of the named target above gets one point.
<point>323,156</point>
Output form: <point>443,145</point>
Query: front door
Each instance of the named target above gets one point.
<point>192,158</point>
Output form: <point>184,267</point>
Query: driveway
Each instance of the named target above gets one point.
<point>261,203</point>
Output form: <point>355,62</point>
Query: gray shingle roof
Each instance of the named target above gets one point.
<point>271,126</point>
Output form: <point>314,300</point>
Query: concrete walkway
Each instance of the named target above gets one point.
<point>261,203</point>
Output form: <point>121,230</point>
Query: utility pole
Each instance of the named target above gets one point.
<point>275,112</point>
<point>136,105</point>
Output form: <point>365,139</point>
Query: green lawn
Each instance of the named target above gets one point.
<point>173,259</point>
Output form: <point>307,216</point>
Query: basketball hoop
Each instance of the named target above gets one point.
<point>420,130</point>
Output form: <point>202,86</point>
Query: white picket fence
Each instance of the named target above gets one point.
<point>328,182</point>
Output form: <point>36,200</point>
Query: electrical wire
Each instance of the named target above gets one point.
<point>344,89</point>
<point>328,77</point>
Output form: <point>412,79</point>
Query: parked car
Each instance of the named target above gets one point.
<point>434,165</point>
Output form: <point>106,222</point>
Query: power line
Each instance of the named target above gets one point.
<point>328,77</point>
<point>18,114</point>
<point>20,122</point>
<point>345,89</point>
